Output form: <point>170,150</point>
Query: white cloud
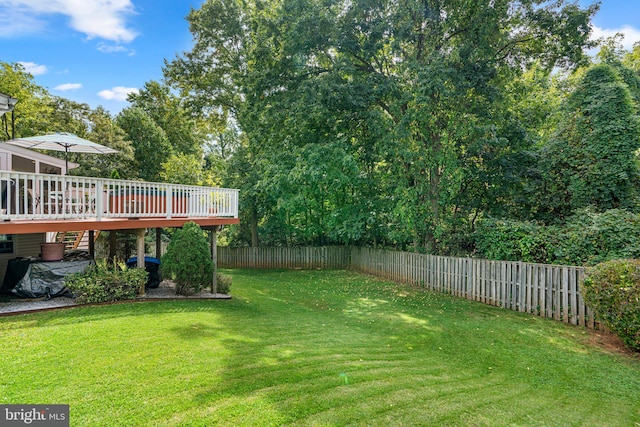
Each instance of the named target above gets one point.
<point>117,93</point>
<point>110,48</point>
<point>15,23</point>
<point>631,34</point>
<point>34,69</point>
<point>68,86</point>
<point>105,19</point>
<point>115,48</point>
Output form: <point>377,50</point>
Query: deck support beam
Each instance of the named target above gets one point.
<point>113,242</point>
<point>214,257</point>
<point>140,232</point>
<point>92,243</point>
<point>159,242</point>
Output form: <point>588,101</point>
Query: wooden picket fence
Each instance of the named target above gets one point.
<point>332,257</point>
<point>551,291</point>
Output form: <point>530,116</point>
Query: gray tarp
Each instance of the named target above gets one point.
<point>46,279</point>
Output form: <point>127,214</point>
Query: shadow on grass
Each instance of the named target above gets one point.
<point>106,311</point>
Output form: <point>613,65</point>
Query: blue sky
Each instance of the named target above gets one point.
<point>96,51</point>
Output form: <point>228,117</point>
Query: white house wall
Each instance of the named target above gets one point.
<point>19,159</point>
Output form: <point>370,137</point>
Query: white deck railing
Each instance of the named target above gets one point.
<point>43,196</point>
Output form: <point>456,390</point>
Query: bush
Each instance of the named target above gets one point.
<point>589,237</point>
<point>612,290</point>
<point>511,240</point>
<point>188,260</point>
<point>103,283</point>
<point>585,238</point>
<point>224,283</point>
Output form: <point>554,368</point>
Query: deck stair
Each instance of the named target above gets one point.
<point>75,239</point>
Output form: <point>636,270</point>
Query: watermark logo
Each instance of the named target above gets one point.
<point>34,415</point>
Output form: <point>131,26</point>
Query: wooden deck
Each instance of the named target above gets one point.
<point>37,203</point>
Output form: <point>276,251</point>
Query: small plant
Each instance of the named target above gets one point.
<point>188,260</point>
<point>103,283</point>
<point>224,283</point>
<point>612,290</point>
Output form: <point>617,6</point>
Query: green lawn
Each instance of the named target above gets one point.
<point>315,348</point>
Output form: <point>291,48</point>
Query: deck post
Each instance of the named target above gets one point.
<point>158,242</point>
<point>112,244</point>
<point>99,192</point>
<point>169,201</point>
<point>92,243</point>
<point>140,249</point>
<point>214,258</point>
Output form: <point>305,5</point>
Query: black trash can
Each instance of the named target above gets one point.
<point>152,266</point>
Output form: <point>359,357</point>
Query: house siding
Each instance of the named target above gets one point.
<point>24,245</point>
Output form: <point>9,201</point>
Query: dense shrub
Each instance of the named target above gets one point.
<point>103,283</point>
<point>589,237</point>
<point>585,238</point>
<point>188,260</point>
<point>511,240</point>
<point>224,283</point>
<point>612,290</point>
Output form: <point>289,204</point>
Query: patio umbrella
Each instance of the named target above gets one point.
<point>62,141</point>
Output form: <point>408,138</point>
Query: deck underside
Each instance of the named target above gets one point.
<point>105,224</point>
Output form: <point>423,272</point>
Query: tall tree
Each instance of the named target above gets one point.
<point>150,143</point>
<point>187,169</point>
<point>168,113</point>
<point>219,150</point>
<point>592,161</point>
<point>68,116</point>
<point>624,63</point>
<point>456,58</point>
<point>104,130</point>
<point>632,59</point>
<point>413,91</point>
<point>33,105</point>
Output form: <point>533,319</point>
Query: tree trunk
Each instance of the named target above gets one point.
<point>435,173</point>
<point>254,226</point>
<point>214,258</point>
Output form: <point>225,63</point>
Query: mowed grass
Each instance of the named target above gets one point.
<point>315,348</point>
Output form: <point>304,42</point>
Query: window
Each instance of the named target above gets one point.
<point>6,243</point>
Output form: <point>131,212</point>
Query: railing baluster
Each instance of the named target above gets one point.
<point>169,191</point>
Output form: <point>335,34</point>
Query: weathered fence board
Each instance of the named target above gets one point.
<point>550,291</point>
<point>284,257</point>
